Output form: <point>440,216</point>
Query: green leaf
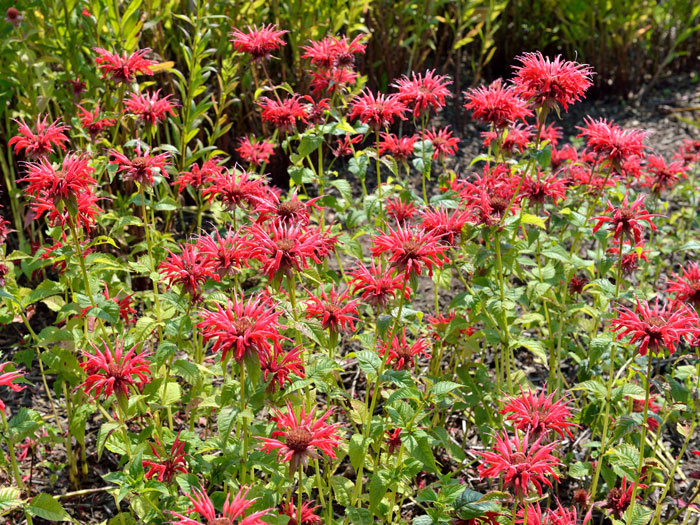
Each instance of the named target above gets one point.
<point>9,498</point>
<point>78,419</point>
<point>532,219</point>
<point>105,430</point>
<point>443,387</point>
<point>368,361</point>
<point>309,144</point>
<point>640,515</point>
<point>580,470</point>
<point>357,449</point>
<point>45,289</point>
<point>378,486</point>
<point>46,506</point>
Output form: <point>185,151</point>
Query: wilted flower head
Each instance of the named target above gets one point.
<point>548,83</point>
<point>259,43</point>
<point>123,68</point>
<point>40,143</point>
<point>618,499</point>
<point>496,104</point>
<point>302,436</point>
<point>111,371</point>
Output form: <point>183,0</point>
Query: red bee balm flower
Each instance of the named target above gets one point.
<point>303,435</point>
<point>307,513</point>
<point>626,220</point>
<point>141,168</point>
<point>255,151</point>
<point>401,352</point>
<point>686,287</point>
<point>335,311</point>
<point>445,225</point>
<point>258,43</point>
<point>283,114</point>
<point>92,123</point>
<point>618,499</point>
<point>123,68</point>
<point>199,176</point>
<point>655,328</point>
<point>410,249</point>
<point>226,254</point>
<point>234,188</point>
<point>399,148</point>
<point>551,82</point>
<point>234,509</point>
<point>150,108</point>
<point>112,371</point>
<point>377,111</point>
<point>423,92</point>
<point>39,144</point>
<point>245,328</point>
<point>444,144</point>
<point>376,286</point>
<point>520,463</point>
<point>497,104</point>
<point>64,184</point>
<point>661,175</point>
<point>7,379</point>
<point>277,364</point>
<point>611,142</point>
<point>402,211</point>
<point>188,270</point>
<point>538,414</point>
<point>165,470</point>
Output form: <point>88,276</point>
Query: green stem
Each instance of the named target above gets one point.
<point>11,449</point>
<point>642,441</point>
<point>149,243</point>
<point>299,492</point>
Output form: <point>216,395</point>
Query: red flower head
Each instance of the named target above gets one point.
<point>255,151</point>
<point>307,513</point>
<point>562,156</point>
<point>444,144</point>
<point>543,187</point>
<point>393,440</point>
<point>149,108</point>
<point>552,133</point>
<point>316,110</point>
<point>538,414</point>
<point>402,211</point>
<point>141,168</point>
<point>283,248</point>
<point>489,195</point>
<point>399,148</point>
<point>335,311</point>
<point>84,209</point>
<point>626,220</point>
<point>513,138</point>
<point>497,104</point>
<point>77,86</point>
<point>235,188</point>
<point>343,147</point>
<point>376,286</point>
<point>410,249</point>
<point>164,470</point>
<point>630,260</point>
<point>520,463</point>
<point>112,371</point>
<point>189,270</point>
<point>283,114</point>
<point>689,152</point>
<point>290,212</point>
<point>13,16</point>
<point>535,516</point>
<point>244,328</point>
<point>234,509</point>
<point>686,287</point>
<point>5,230</point>
<point>329,81</point>
<point>123,68</point>
<point>92,123</point>
<point>423,92</point>
<point>302,436</point>
<point>331,52</point>
<point>611,142</point>
<point>41,143</point>
<point>446,224</point>
<point>549,83</point>
<point>277,364</point>
<point>618,499</point>
<point>6,379</point>
<point>377,111</point>
<point>441,322</point>
<point>662,176</point>
<point>199,176</point>
<point>258,43</point>
<point>655,328</point>
<point>227,254</point>
<point>401,352</point>
<point>60,185</point>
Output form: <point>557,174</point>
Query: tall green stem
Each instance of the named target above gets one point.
<point>149,243</point>
<point>642,441</point>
